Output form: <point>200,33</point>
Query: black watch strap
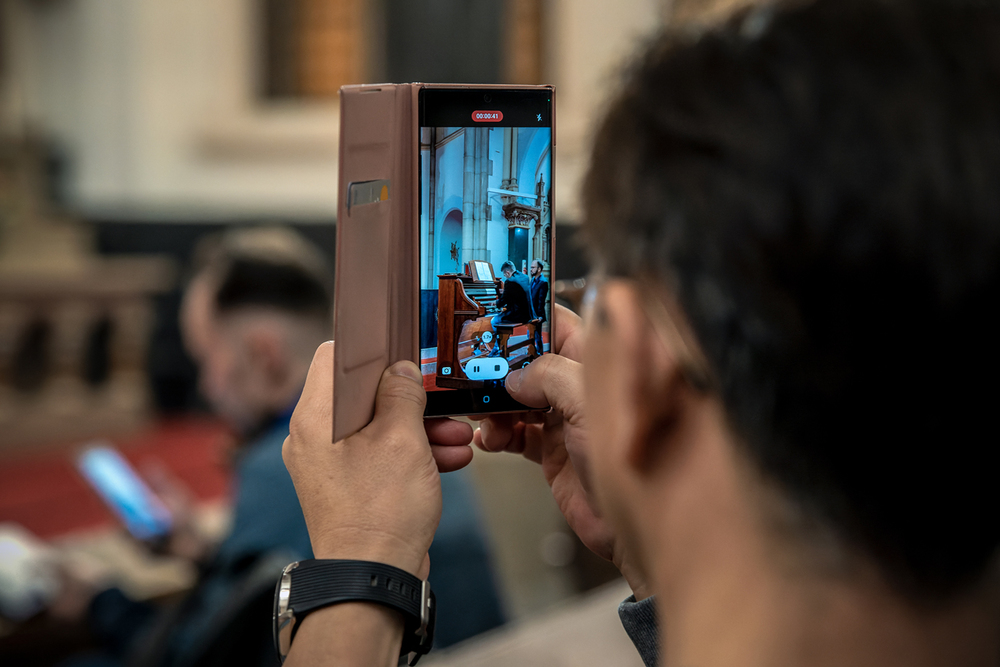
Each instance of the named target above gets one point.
<point>309,585</point>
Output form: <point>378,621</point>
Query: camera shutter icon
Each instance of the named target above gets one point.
<point>446,370</point>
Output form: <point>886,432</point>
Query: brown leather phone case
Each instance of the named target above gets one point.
<point>376,318</point>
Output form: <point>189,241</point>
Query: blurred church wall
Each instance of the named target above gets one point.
<point>161,111</point>
<point>155,104</point>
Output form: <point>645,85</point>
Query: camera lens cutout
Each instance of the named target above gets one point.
<point>487,98</point>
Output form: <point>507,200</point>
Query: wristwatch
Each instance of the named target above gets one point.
<point>308,585</point>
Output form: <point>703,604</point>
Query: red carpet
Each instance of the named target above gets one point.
<point>46,494</point>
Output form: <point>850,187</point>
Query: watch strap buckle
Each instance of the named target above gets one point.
<point>284,614</point>
<point>426,630</point>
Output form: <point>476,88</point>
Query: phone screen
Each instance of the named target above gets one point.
<point>486,232</point>
<point>114,479</point>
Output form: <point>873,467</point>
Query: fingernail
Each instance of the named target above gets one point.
<point>482,436</point>
<point>514,380</point>
<point>406,369</point>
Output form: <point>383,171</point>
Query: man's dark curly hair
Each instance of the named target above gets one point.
<point>819,185</point>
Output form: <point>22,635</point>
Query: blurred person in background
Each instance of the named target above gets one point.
<point>258,304</point>
<point>773,419</point>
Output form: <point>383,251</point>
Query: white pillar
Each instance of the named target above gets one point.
<point>469,198</point>
<point>484,195</point>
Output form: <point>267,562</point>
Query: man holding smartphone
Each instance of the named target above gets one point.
<point>772,417</point>
<point>257,302</point>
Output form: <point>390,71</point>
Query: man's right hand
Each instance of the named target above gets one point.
<point>558,440</point>
<point>375,496</point>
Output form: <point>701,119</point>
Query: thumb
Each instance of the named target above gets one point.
<point>401,398</point>
<point>550,380</point>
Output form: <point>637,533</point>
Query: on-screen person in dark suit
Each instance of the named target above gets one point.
<point>514,300</point>
<point>539,293</point>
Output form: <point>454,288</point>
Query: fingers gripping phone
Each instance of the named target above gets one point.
<point>445,241</point>
<point>121,488</point>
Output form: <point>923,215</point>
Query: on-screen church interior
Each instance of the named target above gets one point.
<point>486,199</point>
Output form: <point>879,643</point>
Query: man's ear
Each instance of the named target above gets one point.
<point>657,390</point>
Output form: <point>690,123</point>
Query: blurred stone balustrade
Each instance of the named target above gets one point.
<point>74,326</point>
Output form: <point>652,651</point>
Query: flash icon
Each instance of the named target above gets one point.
<point>539,118</point>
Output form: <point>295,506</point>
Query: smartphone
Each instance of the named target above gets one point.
<point>120,487</point>
<point>445,242</point>
<point>486,242</point>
